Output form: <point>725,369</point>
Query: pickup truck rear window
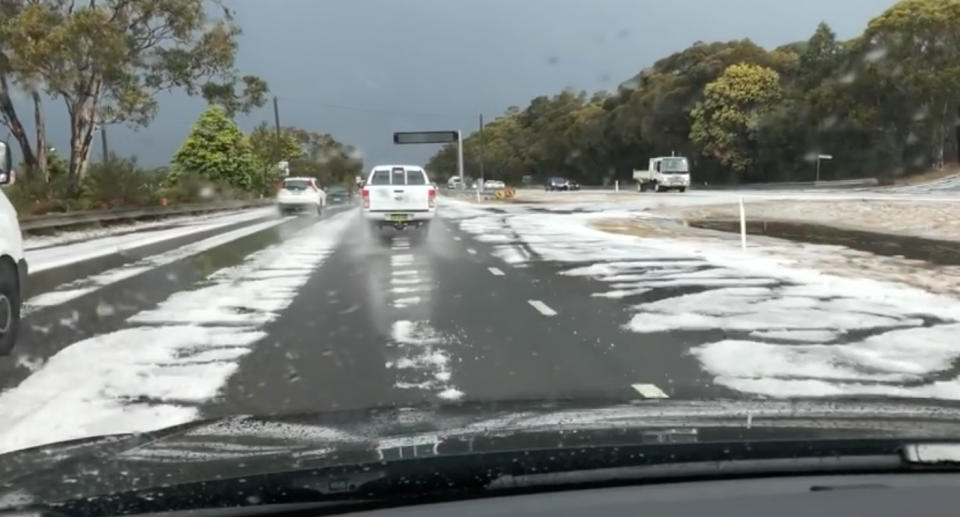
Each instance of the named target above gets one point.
<point>380,177</point>
<point>415,177</point>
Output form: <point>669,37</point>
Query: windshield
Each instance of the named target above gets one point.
<point>674,165</point>
<point>679,205</point>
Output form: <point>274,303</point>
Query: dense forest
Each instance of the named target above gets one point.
<point>883,104</point>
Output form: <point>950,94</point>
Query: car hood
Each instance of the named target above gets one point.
<point>250,445</point>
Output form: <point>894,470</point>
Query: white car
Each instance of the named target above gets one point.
<point>399,196</point>
<point>454,183</point>
<point>13,267</point>
<point>301,195</point>
<point>493,185</point>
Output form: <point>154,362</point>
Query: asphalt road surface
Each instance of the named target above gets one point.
<point>494,303</point>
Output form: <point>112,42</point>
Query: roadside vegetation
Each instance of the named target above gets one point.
<point>105,63</point>
<point>884,104</point>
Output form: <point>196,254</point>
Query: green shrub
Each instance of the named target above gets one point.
<point>119,183</point>
<point>196,189</point>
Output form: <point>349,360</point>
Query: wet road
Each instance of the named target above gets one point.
<point>491,303</point>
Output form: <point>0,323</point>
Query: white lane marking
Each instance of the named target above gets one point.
<point>650,391</point>
<point>405,272</point>
<point>77,288</point>
<point>471,251</point>
<point>156,375</point>
<point>542,307</point>
<point>495,271</point>
<point>401,303</point>
<point>456,238</point>
<point>401,260</point>
<point>406,280</point>
<point>407,290</point>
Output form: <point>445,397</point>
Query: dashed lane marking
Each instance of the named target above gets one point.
<point>495,271</point>
<point>471,251</point>
<point>456,238</point>
<point>542,308</point>
<point>650,391</point>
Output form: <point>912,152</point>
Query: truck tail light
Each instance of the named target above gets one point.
<point>366,197</point>
<point>432,198</point>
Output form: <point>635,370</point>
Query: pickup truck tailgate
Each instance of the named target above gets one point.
<point>399,190</point>
<point>399,198</point>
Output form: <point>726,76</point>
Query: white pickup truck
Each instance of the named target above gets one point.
<point>13,267</point>
<point>399,196</point>
<point>664,173</point>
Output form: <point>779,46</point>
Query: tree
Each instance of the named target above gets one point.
<point>915,43</point>
<point>820,57</point>
<point>883,103</point>
<point>225,95</point>
<point>217,151</point>
<point>309,153</point>
<point>263,138</point>
<point>107,59</point>
<point>725,123</point>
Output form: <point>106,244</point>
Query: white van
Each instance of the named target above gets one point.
<point>13,267</point>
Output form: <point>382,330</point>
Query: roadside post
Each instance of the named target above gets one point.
<point>821,157</point>
<point>743,226</point>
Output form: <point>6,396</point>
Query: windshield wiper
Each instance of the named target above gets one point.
<point>452,477</point>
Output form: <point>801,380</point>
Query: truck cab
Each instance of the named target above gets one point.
<point>13,266</point>
<point>664,173</point>
<point>399,196</point>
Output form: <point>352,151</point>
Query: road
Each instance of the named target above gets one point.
<point>272,315</point>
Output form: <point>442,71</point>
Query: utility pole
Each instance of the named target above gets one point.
<point>103,143</point>
<point>481,148</point>
<point>460,156</point>
<point>276,121</point>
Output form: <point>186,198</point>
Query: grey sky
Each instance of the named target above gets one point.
<point>361,69</point>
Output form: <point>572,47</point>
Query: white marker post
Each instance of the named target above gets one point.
<point>616,185</point>
<point>821,157</point>
<point>743,226</point>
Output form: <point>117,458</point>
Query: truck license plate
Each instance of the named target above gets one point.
<point>398,217</point>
